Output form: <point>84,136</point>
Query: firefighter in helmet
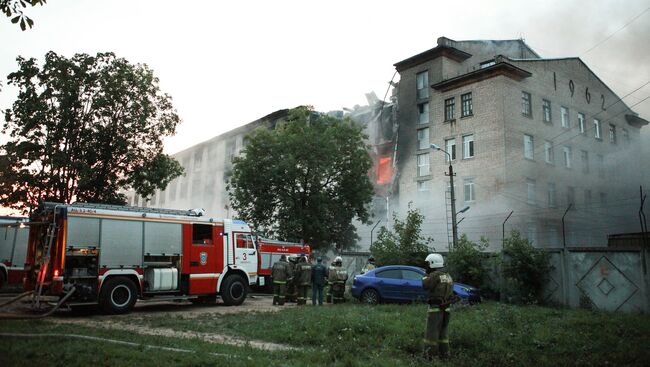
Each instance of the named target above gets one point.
<point>302,279</point>
<point>328,284</point>
<point>292,289</point>
<point>281,273</point>
<point>337,278</point>
<point>369,265</point>
<point>439,285</point>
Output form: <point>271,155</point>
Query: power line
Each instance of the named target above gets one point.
<point>618,30</point>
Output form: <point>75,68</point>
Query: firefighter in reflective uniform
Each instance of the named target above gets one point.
<point>292,289</point>
<point>302,278</point>
<point>281,273</point>
<point>369,265</point>
<point>440,288</point>
<point>328,284</point>
<point>337,278</point>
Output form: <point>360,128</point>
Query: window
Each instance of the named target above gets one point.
<point>244,240</point>
<point>626,135</point>
<point>581,122</point>
<point>548,152</point>
<point>450,106</point>
<point>201,234</point>
<point>423,113</point>
<point>570,195</point>
<point>600,161</point>
<point>423,185</point>
<point>597,132</point>
<point>546,109</point>
<point>468,146</point>
<point>391,274</point>
<point>552,195</point>
<point>423,164</point>
<point>466,105</point>
<point>422,81</point>
<point>584,157</point>
<point>565,117</point>
<point>529,147</point>
<point>526,105</point>
<point>411,275</point>
<point>531,233</point>
<point>603,198</point>
<point>230,151</point>
<point>423,138</point>
<point>450,147</point>
<point>567,157</point>
<point>530,191</point>
<point>468,185</point>
<point>587,198</point>
<point>612,134</point>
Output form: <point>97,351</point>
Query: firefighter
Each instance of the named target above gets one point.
<point>439,285</point>
<point>318,279</point>
<point>369,265</point>
<point>328,284</point>
<point>292,289</point>
<point>302,278</point>
<point>281,273</point>
<point>337,278</point>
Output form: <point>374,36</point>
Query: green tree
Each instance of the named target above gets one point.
<point>85,128</point>
<point>14,9</point>
<point>405,245</point>
<point>525,268</point>
<point>465,261</point>
<point>307,179</point>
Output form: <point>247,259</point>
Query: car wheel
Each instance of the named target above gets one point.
<point>370,296</point>
<point>234,290</point>
<point>118,295</point>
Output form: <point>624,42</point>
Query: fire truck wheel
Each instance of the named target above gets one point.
<point>118,295</point>
<point>234,290</point>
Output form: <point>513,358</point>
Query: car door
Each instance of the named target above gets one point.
<point>412,281</point>
<point>389,283</point>
<point>245,252</point>
<point>203,260</point>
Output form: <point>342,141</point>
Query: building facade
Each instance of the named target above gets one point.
<point>525,134</point>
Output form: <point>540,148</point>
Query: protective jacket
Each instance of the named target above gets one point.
<point>440,287</point>
<point>281,271</point>
<point>303,274</point>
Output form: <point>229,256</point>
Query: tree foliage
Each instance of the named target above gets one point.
<point>405,245</point>
<point>304,180</point>
<point>525,267</point>
<point>465,261</point>
<point>84,129</point>
<point>14,9</point>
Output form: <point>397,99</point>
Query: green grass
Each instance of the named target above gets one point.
<point>353,334</point>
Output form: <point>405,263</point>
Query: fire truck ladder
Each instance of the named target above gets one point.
<point>45,261</point>
<point>136,209</point>
<point>450,225</point>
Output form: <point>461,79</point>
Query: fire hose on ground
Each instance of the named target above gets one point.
<point>10,316</point>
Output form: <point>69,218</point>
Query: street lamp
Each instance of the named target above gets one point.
<point>454,228</point>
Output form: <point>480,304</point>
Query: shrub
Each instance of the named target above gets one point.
<point>404,245</point>
<point>525,268</point>
<point>465,261</point>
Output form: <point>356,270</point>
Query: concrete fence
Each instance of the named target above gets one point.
<point>609,279</point>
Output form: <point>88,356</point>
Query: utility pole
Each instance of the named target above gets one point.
<point>503,230</point>
<point>454,225</point>
<point>563,236</point>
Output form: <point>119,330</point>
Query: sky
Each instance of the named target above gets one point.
<point>227,63</point>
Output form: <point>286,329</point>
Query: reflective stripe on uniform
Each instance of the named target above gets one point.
<point>434,309</point>
<point>444,341</point>
<point>430,342</point>
<point>279,282</point>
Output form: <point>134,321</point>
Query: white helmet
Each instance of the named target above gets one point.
<point>435,261</point>
<point>338,260</point>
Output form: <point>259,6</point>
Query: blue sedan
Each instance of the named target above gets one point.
<point>401,283</point>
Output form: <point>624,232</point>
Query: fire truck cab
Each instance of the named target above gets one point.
<point>13,249</point>
<point>113,255</point>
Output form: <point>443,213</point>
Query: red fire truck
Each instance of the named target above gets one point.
<point>13,248</point>
<point>269,253</point>
<point>112,255</point>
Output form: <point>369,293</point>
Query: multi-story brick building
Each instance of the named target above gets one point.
<point>525,134</point>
